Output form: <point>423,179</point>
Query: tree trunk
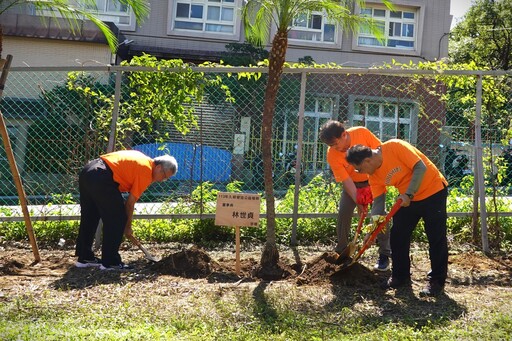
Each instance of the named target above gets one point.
<point>270,255</point>
<point>1,40</point>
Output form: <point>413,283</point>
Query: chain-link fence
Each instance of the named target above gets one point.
<point>58,119</point>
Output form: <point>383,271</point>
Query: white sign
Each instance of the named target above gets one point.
<point>239,144</point>
<point>237,209</point>
<point>245,128</point>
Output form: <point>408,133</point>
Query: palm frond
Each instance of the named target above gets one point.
<point>259,15</point>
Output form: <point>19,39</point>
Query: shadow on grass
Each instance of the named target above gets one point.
<point>81,278</point>
<point>375,306</point>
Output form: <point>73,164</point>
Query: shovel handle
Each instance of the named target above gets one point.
<point>134,240</point>
<point>379,228</point>
<point>360,223</point>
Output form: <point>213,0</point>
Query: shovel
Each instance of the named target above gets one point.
<point>373,235</point>
<point>136,242</point>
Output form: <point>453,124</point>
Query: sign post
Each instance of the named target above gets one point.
<point>237,209</point>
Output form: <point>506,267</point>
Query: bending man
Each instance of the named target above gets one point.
<point>101,184</point>
<point>423,191</point>
<point>339,140</point>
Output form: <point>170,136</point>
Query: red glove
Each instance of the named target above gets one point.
<point>364,196</point>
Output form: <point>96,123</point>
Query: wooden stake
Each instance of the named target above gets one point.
<point>14,168</point>
<point>237,238</point>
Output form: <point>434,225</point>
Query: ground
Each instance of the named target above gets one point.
<point>312,266</point>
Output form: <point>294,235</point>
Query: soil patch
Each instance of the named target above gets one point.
<point>219,266</point>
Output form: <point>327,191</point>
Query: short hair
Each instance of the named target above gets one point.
<point>168,163</point>
<point>356,154</point>
<point>331,130</point>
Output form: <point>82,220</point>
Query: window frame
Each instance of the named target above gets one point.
<point>417,8</point>
<point>306,29</point>
<point>204,21</point>
<point>103,15</point>
<point>382,102</point>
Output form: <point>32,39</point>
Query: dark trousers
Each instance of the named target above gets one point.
<point>100,198</point>
<point>433,212</point>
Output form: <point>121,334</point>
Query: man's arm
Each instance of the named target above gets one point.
<point>418,172</point>
<point>378,206</point>
<point>129,208</point>
<point>350,187</point>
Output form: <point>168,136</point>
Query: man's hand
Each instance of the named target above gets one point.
<point>406,201</point>
<point>364,196</point>
<point>362,209</point>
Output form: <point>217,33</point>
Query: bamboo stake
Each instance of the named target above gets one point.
<point>12,164</point>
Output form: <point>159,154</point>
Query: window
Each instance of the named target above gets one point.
<point>312,27</point>
<point>114,11</point>
<point>397,27</point>
<point>216,16</point>
<point>387,120</point>
<point>317,110</point>
<point>105,10</point>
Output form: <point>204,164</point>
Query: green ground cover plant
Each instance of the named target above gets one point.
<point>320,195</point>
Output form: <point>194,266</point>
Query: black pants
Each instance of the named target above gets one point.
<point>433,212</point>
<point>100,198</point>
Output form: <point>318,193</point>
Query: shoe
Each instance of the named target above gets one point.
<point>118,267</point>
<point>382,263</point>
<point>433,289</point>
<point>393,283</point>
<point>81,263</point>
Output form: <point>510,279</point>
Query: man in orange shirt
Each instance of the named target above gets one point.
<point>101,184</point>
<point>423,190</point>
<point>339,140</point>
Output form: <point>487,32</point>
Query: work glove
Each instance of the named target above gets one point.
<point>364,196</point>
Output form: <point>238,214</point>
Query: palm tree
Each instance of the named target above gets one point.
<point>258,17</point>
<point>76,10</point>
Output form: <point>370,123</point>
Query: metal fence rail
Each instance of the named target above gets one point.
<point>55,129</point>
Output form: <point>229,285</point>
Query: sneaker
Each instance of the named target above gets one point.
<point>81,263</point>
<point>382,263</point>
<point>433,289</point>
<point>393,283</point>
<point>118,267</point>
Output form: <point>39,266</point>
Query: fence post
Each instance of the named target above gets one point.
<point>298,164</point>
<point>115,112</point>
<point>479,163</point>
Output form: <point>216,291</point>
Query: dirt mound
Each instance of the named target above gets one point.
<point>277,272</point>
<point>196,263</point>
<point>324,269</point>
<point>191,263</point>
<point>10,267</point>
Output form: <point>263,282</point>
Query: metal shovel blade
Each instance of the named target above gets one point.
<point>148,255</point>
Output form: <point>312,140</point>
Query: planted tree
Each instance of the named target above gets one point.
<point>259,17</point>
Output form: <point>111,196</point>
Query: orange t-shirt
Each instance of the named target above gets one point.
<point>133,170</point>
<point>398,160</point>
<point>343,170</point>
